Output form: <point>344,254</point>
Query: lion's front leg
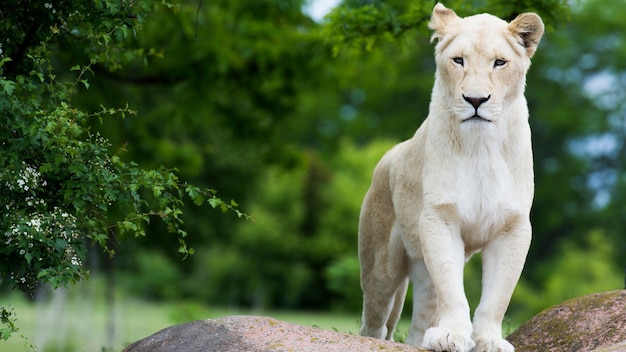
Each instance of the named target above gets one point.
<point>444,256</point>
<point>503,260</point>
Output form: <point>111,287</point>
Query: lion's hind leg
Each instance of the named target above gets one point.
<point>384,280</point>
<point>425,314</point>
<point>382,307</point>
<point>396,309</point>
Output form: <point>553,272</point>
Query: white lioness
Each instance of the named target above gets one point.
<point>463,183</point>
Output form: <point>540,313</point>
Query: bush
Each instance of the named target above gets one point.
<point>63,189</point>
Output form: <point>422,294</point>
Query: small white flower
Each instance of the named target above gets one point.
<point>75,261</point>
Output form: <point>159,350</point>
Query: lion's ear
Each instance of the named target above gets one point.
<point>441,20</point>
<point>529,28</point>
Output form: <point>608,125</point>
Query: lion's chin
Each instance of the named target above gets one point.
<point>476,118</point>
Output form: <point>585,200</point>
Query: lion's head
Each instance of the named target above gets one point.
<point>482,62</point>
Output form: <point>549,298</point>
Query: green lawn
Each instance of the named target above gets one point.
<point>78,323</point>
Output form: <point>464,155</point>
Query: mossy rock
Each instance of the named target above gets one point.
<point>620,347</point>
<point>595,322</point>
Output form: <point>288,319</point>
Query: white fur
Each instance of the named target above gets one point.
<point>457,187</point>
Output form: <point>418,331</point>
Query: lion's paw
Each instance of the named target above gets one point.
<point>484,344</point>
<point>442,339</point>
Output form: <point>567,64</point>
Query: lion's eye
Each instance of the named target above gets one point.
<point>499,62</point>
<point>458,60</point>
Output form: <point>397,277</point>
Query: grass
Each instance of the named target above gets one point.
<point>78,321</point>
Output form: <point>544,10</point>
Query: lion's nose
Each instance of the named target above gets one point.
<point>476,102</point>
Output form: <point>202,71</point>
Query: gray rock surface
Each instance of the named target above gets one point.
<point>595,322</point>
<point>257,334</point>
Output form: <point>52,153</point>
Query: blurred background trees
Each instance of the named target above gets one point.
<point>289,117</point>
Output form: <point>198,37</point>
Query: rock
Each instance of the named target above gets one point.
<point>620,347</point>
<point>595,322</point>
<point>257,334</point>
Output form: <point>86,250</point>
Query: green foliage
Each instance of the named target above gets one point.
<point>364,24</point>
<point>151,276</point>
<point>99,28</point>
<point>301,250</point>
<point>342,277</point>
<point>7,319</point>
<point>273,248</point>
<point>62,186</point>
<point>8,327</point>
<point>368,23</point>
<point>230,72</point>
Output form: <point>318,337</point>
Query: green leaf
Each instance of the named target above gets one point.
<point>4,61</point>
<point>7,86</point>
<point>215,202</point>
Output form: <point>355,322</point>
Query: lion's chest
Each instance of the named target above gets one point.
<point>482,188</point>
<point>482,181</point>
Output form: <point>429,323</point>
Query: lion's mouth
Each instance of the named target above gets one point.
<point>476,118</point>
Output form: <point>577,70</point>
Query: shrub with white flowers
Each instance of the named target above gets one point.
<point>58,180</point>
